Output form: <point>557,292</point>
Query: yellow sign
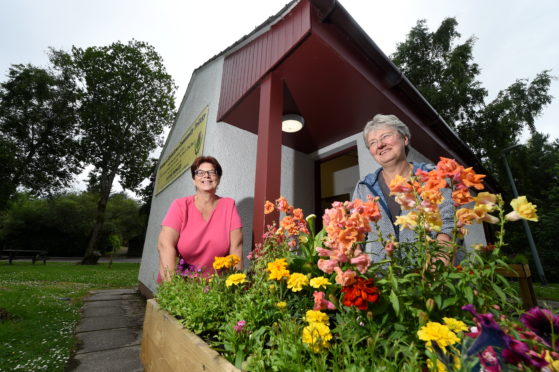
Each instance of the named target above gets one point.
<point>182,156</point>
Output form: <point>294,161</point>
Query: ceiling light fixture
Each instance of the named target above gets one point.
<point>292,123</point>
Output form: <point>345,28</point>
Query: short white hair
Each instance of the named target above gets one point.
<point>390,121</point>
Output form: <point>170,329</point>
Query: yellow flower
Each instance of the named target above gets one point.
<point>319,282</point>
<point>281,305</point>
<point>553,363</point>
<point>522,209</point>
<point>315,316</point>
<point>303,239</point>
<point>455,325</point>
<point>278,269</point>
<point>407,221</point>
<point>317,336</point>
<point>296,281</point>
<point>439,333</point>
<point>226,262</point>
<point>235,279</point>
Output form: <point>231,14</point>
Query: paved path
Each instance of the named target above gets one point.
<point>110,332</point>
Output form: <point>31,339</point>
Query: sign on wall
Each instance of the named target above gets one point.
<point>190,146</point>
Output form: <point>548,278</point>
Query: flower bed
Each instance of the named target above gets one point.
<point>318,302</point>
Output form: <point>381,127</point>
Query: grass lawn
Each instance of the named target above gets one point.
<point>549,292</point>
<point>40,307</point>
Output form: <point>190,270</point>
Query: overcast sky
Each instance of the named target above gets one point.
<point>515,39</point>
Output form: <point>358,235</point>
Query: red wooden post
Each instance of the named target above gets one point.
<point>268,153</point>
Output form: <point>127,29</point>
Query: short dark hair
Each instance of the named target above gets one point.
<point>205,159</point>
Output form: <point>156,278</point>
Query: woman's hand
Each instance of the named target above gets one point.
<point>167,247</point>
<point>236,247</point>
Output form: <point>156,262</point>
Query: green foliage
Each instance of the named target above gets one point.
<point>62,224</point>
<point>126,99</point>
<point>44,302</point>
<point>37,130</point>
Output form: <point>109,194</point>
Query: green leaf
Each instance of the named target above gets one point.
<point>469,294</point>
<point>499,292</point>
<point>395,302</point>
<point>438,300</point>
<point>448,302</point>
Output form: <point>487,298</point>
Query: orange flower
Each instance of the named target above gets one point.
<point>347,238</point>
<point>287,223</point>
<point>471,179</point>
<point>372,210</point>
<point>462,196</point>
<point>432,180</point>
<point>465,216</point>
<point>282,204</point>
<point>448,167</point>
<point>298,214</point>
<point>268,207</point>
<point>400,184</point>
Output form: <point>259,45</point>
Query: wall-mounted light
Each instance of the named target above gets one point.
<point>292,123</point>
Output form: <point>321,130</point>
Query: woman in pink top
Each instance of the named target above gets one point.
<point>201,226</point>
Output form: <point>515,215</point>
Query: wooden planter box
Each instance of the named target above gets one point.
<point>524,275</point>
<point>168,346</point>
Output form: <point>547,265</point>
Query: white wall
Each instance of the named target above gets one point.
<point>235,149</point>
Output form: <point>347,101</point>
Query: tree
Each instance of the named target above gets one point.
<point>126,99</point>
<point>445,73</point>
<point>37,131</point>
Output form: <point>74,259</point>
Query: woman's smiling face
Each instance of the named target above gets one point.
<point>206,178</point>
<point>387,145</point>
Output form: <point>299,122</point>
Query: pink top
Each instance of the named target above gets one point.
<point>200,240</point>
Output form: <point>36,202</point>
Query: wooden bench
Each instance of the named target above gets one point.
<point>524,275</point>
<point>35,255</point>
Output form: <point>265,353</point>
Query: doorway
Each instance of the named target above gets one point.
<point>336,177</point>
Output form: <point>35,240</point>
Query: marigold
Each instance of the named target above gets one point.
<point>281,305</point>
<point>439,333</point>
<point>277,269</point>
<point>226,262</point>
<point>314,316</point>
<point>297,281</point>
<point>522,209</point>
<point>268,207</point>
<point>317,336</point>
<point>319,282</point>
<point>360,293</point>
<point>235,279</point>
<point>455,325</point>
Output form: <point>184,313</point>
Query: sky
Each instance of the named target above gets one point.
<point>515,39</point>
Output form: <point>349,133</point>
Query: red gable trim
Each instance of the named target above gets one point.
<point>246,66</point>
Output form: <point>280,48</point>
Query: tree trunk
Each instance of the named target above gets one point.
<point>91,255</point>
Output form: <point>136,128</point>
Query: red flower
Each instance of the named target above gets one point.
<point>360,293</point>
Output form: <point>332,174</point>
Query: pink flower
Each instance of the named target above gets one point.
<point>320,303</point>
<point>362,262</point>
<point>240,325</point>
<point>327,265</point>
<point>344,278</point>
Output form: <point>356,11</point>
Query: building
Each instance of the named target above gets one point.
<point>310,59</point>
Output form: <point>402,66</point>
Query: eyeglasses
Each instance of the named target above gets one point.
<point>210,173</point>
<point>385,137</point>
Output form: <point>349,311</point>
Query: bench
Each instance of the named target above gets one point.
<point>523,274</point>
<point>35,255</point>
